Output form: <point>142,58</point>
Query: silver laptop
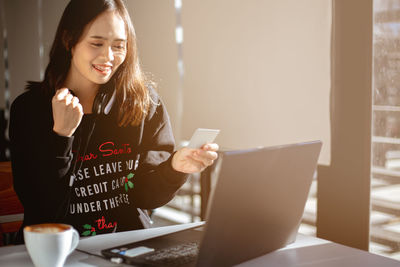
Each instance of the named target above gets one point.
<point>256,206</point>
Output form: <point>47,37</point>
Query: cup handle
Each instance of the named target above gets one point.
<point>75,240</point>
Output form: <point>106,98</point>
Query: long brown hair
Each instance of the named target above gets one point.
<point>130,83</point>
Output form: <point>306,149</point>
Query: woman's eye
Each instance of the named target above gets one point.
<point>119,47</point>
<point>97,44</point>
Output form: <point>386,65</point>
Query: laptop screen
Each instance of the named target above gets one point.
<point>258,201</point>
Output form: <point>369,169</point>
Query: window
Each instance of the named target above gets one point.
<point>385,183</point>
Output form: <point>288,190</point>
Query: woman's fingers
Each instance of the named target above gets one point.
<point>211,147</point>
<point>206,157</point>
<point>201,154</point>
<point>207,154</point>
<point>61,93</point>
<point>75,102</point>
<point>68,99</point>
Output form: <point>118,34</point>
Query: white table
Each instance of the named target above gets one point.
<point>307,251</point>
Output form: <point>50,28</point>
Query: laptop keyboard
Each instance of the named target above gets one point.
<point>173,256</point>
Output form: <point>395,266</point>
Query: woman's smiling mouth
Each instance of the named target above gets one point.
<point>102,69</point>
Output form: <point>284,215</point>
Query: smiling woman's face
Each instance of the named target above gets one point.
<point>100,50</point>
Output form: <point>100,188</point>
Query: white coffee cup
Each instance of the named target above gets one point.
<point>50,244</point>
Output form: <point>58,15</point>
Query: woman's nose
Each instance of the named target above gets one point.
<point>109,53</point>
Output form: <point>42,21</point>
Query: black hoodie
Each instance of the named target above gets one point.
<point>107,190</point>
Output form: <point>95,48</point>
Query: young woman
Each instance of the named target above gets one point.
<point>92,142</point>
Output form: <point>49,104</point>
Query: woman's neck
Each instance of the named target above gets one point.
<point>86,99</point>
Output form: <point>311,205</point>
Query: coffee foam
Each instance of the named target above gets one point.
<point>47,228</point>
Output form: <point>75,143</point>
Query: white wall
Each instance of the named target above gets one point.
<point>258,70</point>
